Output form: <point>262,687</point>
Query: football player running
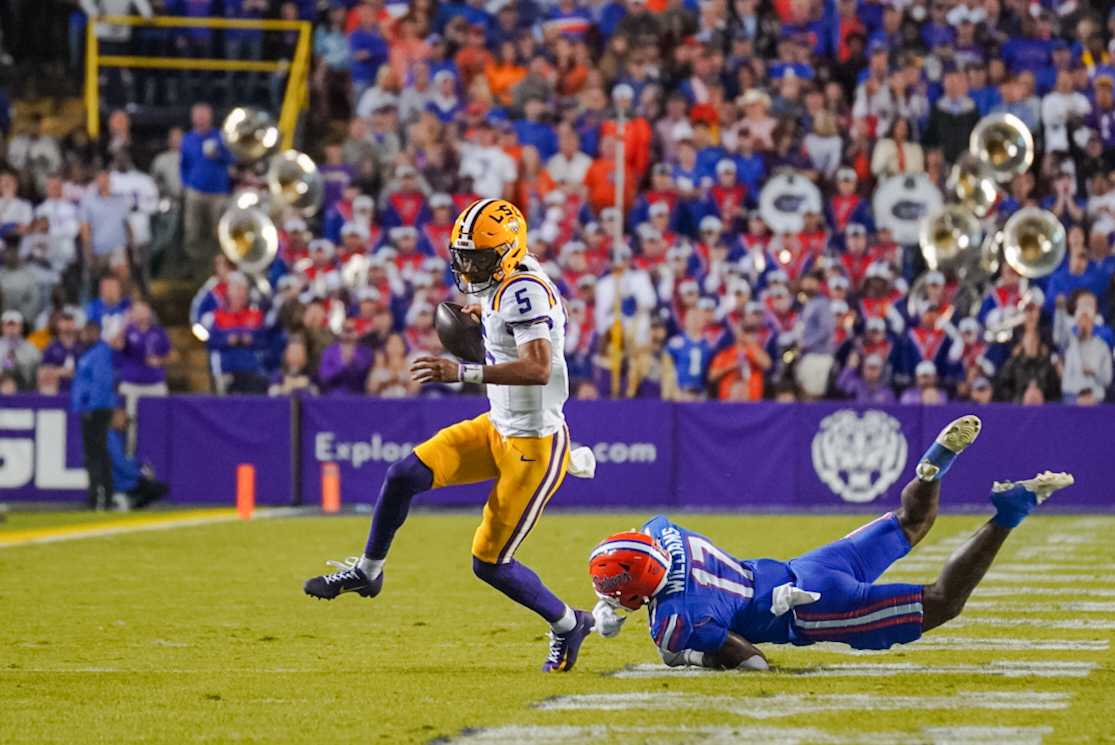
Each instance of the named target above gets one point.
<point>522,443</point>
<point>710,609</point>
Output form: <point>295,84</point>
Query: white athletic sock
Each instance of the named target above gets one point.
<point>566,623</point>
<point>370,567</point>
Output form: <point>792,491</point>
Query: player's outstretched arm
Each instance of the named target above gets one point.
<point>532,368</point>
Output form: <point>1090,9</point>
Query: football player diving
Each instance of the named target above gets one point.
<point>709,609</point>
<point>522,443</point>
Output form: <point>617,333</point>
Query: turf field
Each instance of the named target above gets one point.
<point>201,634</point>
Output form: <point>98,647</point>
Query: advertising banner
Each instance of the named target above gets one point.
<point>820,457</point>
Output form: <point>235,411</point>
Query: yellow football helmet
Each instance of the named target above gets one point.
<point>488,241</point>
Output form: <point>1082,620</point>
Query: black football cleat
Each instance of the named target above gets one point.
<point>564,648</point>
<point>350,578</point>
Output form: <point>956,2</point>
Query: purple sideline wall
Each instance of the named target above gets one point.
<point>825,457</point>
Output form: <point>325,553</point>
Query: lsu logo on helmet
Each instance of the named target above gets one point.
<point>487,243</point>
<point>628,569</point>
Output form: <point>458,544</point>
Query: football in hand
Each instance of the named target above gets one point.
<point>459,333</point>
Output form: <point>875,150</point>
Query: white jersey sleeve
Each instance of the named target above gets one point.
<point>526,308</point>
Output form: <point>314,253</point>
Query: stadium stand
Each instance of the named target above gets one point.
<point>417,108</point>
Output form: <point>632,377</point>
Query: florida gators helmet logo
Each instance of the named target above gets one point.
<point>628,569</point>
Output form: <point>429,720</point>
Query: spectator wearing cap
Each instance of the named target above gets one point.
<point>443,102</point>
<point>866,384</point>
<point>436,230</point>
<point>980,390</point>
<point>817,344</point>
<point>737,371</point>
<point>93,398</point>
<point>210,296</point>
<point>629,290</point>
<point>473,57</point>
<point>368,49</point>
<point>345,363</point>
<point>896,154</point>
<point>846,205</point>
<point>1087,357</point>
<point>728,194</point>
<point>952,118</point>
<point>205,163</point>
<point>973,358</point>
<point>236,336</point>
<point>60,356</point>
<point>18,357</point>
<point>925,390</point>
<point>637,133</point>
<point>879,297</point>
<point>854,260</point>
<point>403,201</point>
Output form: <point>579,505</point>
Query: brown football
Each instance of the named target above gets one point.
<point>459,333</point>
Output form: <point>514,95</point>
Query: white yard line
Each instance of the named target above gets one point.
<point>1044,606</point>
<point>125,526</point>
<point>791,704</point>
<point>973,644</point>
<point>1033,623</point>
<point>998,668</point>
<point>1076,592</point>
<point>995,576</point>
<point>722,735</point>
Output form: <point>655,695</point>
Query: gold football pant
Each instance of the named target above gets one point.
<point>527,472</point>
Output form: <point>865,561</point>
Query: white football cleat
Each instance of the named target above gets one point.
<point>1041,486</point>
<point>960,433</point>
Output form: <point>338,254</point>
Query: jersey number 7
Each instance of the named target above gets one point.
<point>702,552</point>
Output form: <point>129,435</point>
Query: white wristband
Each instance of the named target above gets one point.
<point>471,374</point>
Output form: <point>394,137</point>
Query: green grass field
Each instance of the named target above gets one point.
<point>202,634</point>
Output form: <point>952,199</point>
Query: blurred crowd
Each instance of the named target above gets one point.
<point>420,107</point>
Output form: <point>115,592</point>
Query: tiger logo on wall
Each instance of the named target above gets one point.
<point>859,457</point>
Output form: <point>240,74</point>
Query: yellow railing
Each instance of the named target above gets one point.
<point>294,98</point>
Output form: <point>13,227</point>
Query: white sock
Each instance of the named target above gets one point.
<point>566,623</point>
<point>370,567</point>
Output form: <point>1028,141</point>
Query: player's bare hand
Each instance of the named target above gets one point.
<point>473,310</point>
<point>434,370</point>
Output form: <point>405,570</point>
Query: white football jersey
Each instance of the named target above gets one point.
<point>524,307</point>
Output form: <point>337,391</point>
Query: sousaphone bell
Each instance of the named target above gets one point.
<point>947,234</point>
<point>1004,143</point>
<point>248,237</point>
<point>1034,242</point>
<point>249,134</point>
<point>295,181</point>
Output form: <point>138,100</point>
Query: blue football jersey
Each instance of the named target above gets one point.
<point>709,592</point>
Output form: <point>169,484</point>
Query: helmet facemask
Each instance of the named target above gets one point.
<point>476,270</point>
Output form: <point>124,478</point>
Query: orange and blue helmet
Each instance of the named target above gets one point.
<point>628,569</point>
